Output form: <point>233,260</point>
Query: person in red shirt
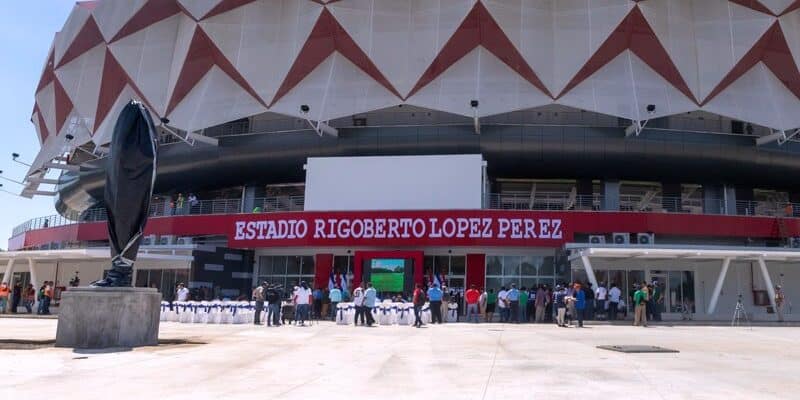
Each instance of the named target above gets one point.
<point>419,301</point>
<point>472,296</point>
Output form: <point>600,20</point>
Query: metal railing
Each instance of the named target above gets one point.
<point>280,204</point>
<point>556,201</point>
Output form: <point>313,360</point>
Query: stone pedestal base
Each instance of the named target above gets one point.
<point>95,318</point>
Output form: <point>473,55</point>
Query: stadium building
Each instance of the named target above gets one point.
<point>480,142</point>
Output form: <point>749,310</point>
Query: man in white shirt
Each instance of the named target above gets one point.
<point>502,304</point>
<point>358,303</point>
<point>182,294</point>
<point>601,296</point>
<point>302,299</point>
<point>614,295</point>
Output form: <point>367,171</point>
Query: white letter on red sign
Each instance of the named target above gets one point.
<point>505,225</point>
<point>544,229</point>
<point>239,230</point>
<point>557,233</point>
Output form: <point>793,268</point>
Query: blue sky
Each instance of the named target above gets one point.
<point>26,32</point>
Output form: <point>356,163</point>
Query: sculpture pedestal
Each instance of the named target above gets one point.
<point>95,318</point>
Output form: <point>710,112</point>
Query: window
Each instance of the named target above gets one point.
<point>524,271</point>
<point>286,270</point>
<point>165,280</point>
<point>454,269</point>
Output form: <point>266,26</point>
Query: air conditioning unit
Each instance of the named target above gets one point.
<point>597,239</point>
<point>793,242</point>
<point>55,246</point>
<point>165,240</point>
<point>186,240</point>
<point>645,238</point>
<point>621,237</point>
<point>149,240</point>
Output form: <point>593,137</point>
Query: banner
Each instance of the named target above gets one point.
<point>399,228</point>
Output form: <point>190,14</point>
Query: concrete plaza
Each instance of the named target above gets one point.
<point>457,361</point>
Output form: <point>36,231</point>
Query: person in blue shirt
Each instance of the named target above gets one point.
<point>580,303</point>
<point>369,302</point>
<point>513,302</point>
<point>335,296</point>
<point>435,297</point>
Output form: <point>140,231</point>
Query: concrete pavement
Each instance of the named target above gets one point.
<point>464,361</point>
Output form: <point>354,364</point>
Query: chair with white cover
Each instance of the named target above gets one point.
<point>452,312</point>
<point>174,313</point>
<point>215,314</point>
<point>228,309</point>
<point>341,313</point>
<point>243,312</point>
<point>385,315</point>
<point>164,310</point>
<point>426,313</point>
<point>202,312</point>
<point>405,314</point>
<point>184,312</point>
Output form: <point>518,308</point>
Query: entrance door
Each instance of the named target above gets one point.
<point>662,291</point>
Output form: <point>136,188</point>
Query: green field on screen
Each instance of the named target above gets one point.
<point>387,282</point>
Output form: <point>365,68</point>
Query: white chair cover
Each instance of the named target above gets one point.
<point>164,310</point>
<point>426,313</point>
<point>452,312</point>
<point>405,314</point>
<point>385,313</point>
<point>342,310</point>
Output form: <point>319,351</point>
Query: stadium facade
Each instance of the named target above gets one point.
<point>486,142</point>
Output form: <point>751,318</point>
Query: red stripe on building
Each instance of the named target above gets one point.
<point>225,6</point>
<point>43,132</point>
<point>479,28</point>
<point>753,5</point>
<point>771,49</point>
<point>151,12</point>
<point>111,86</point>
<point>792,7</point>
<point>326,37</point>
<point>48,75</point>
<point>63,105</point>
<point>88,37</point>
<point>634,33</point>
<point>203,54</point>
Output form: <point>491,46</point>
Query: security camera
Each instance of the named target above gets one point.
<point>70,137</point>
<point>651,108</point>
<point>473,103</point>
<point>165,121</point>
<point>15,155</point>
<point>305,108</point>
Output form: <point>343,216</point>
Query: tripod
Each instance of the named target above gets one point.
<point>739,313</point>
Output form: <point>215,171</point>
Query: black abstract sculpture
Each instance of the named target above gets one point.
<point>130,175</point>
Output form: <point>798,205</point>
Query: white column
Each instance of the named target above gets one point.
<point>34,282</point>
<point>587,265</point>
<point>9,271</point>
<point>712,305</point>
<point>768,283</point>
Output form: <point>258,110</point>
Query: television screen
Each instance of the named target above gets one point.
<point>388,275</point>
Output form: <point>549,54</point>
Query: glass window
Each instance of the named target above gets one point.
<point>511,265</point>
<point>494,266</point>
<point>293,265</point>
<point>442,264</point>
<point>494,283</point>
<point>265,267</point>
<point>278,265</point>
<point>530,265</point>
<point>343,264</point>
<point>458,265</point>
<point>529,283</point>
<point>687,285</point>
<point>547,266</point>
<point>308,265</point>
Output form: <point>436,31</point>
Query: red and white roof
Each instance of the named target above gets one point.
<point>205,62</point>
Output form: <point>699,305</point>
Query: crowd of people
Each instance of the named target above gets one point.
<point>11,298</point>
<point>565,304</point>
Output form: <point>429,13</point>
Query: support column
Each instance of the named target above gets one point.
<point>712,305</point>
<point>34,281</point>
<point>729,198</point>
<point>610,195</point>
<point>587,265</point>
<point>713,199</point>
<point>768,282</point>
<point>9,271</point>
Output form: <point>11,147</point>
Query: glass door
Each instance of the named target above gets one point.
<point>661,290</point>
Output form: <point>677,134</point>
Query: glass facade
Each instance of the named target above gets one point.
<point>286,270</point>
<point>454,269</point>
<point>525,271</point>
<point>165,280</point>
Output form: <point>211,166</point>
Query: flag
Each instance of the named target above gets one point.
<point>331,281</point>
